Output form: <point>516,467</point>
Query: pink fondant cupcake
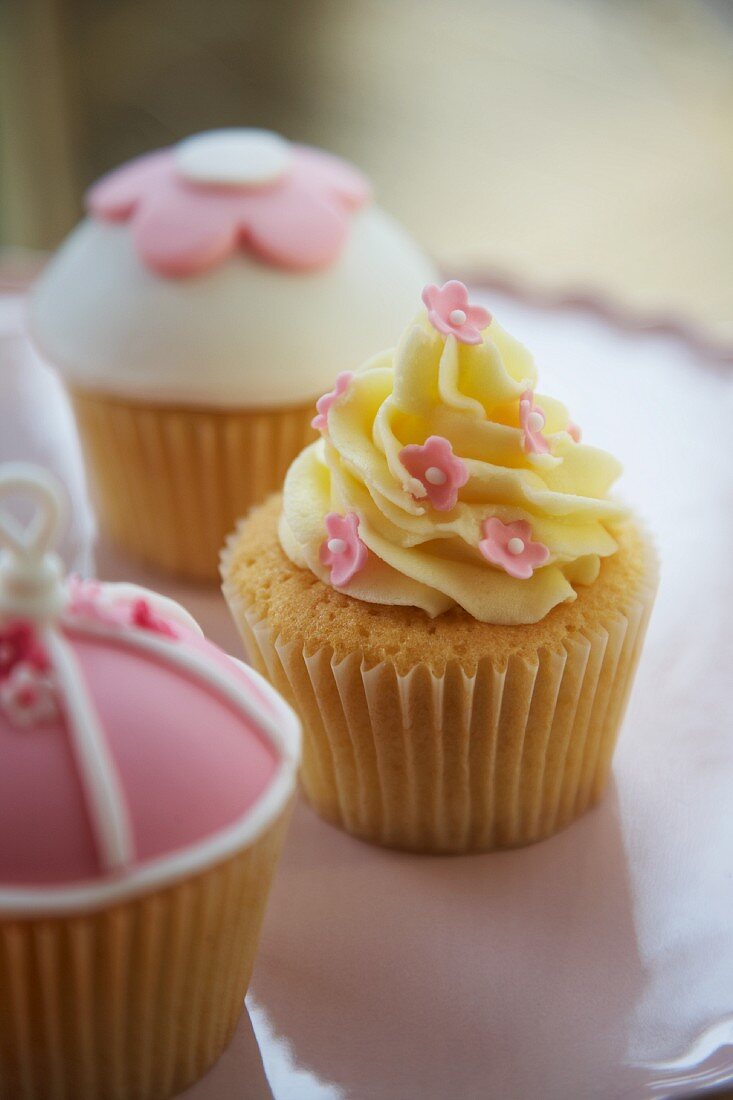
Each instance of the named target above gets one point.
<point>145,784</point>
<point>212,293</point>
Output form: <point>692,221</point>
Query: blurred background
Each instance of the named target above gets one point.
<point>568,147</point>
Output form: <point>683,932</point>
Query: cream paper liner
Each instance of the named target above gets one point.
<point>137,1001</point>
<point>170,483</point>
<point>461,762</point>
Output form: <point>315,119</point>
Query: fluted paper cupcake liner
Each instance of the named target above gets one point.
<point>137,1001</point>
<point>494,758</point>
<point>170,483</point>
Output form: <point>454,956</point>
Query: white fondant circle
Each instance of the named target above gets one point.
<point>233,158</point>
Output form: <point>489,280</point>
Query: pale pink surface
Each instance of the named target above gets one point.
<point>189,765</point>
<point>436,453</point>
<point>300,221</point>
<point>587,965</point>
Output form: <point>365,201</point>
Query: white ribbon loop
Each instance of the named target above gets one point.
<point>30,573</point>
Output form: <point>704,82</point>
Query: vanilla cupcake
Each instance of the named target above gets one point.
<point>213,291</point>
<point>448,595</point>
<point>145,786</point>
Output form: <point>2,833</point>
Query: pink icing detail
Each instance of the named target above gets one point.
<point>534,442</point>
<point>344,562</point>
<point>436,454</point>
<point>143,615</point>
<point>324,404</point>
<point>450,313</point>
<point>574,432</point>
<point>189,763</point>
<point>27,696</point>
<point>495,547</point>
<point>19,645</point>
<point>86,601</point>
<point>299,221</point>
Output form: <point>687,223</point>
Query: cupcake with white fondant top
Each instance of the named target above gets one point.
<point>213,291</point>
<point>145,787</point>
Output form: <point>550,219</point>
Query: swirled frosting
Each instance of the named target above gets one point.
<point>506,463</point>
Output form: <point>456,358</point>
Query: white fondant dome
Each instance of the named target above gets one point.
<point>242,334</point>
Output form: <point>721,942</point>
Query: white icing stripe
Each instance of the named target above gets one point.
<point>103,794</point>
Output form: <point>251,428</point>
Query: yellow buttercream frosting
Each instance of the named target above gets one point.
<point>434,385</point>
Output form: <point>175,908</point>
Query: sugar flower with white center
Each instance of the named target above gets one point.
<point>532,421</point>
<point>324,404</point>
<point>510,546</point>
<point>450,312</point>
<point>343,551</point>
<point>27,696</point>
<point>437,470</point>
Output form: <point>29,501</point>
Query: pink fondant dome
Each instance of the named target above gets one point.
<point>133,750</point>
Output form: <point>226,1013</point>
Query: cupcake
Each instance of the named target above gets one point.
<point>448,595</point>
<point>213,291</point>
<point>145,789</point>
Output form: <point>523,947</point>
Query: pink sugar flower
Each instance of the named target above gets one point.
<point>86,601</point>
<point>27,696</point>
<point>437,469</point>
<point>194,206</point>
<point>143,615</point>
<point>449,312</point>
<point>343,551</point>
<point>510,546</point>
<point>532,421</point>
<point>19,645</point>
<point>574,432</point>
<point>324,404</point>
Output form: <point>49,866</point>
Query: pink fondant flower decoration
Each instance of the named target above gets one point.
<point>323,404</point>
<point>19,645</point>
<point>343,551</point>
<point>437,469</point>
<point>574,432</point>
<point>449,312</point>
<point>86,600</point>
<point>532,421</point>
<point>143,615</point>
<point>510,546</point>
<point>27,696</point>
<point>193,206</point>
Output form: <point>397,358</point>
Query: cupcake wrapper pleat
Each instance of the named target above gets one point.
<point>134,1002</point>
<point>494,758</point>
<point>169,484</point>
